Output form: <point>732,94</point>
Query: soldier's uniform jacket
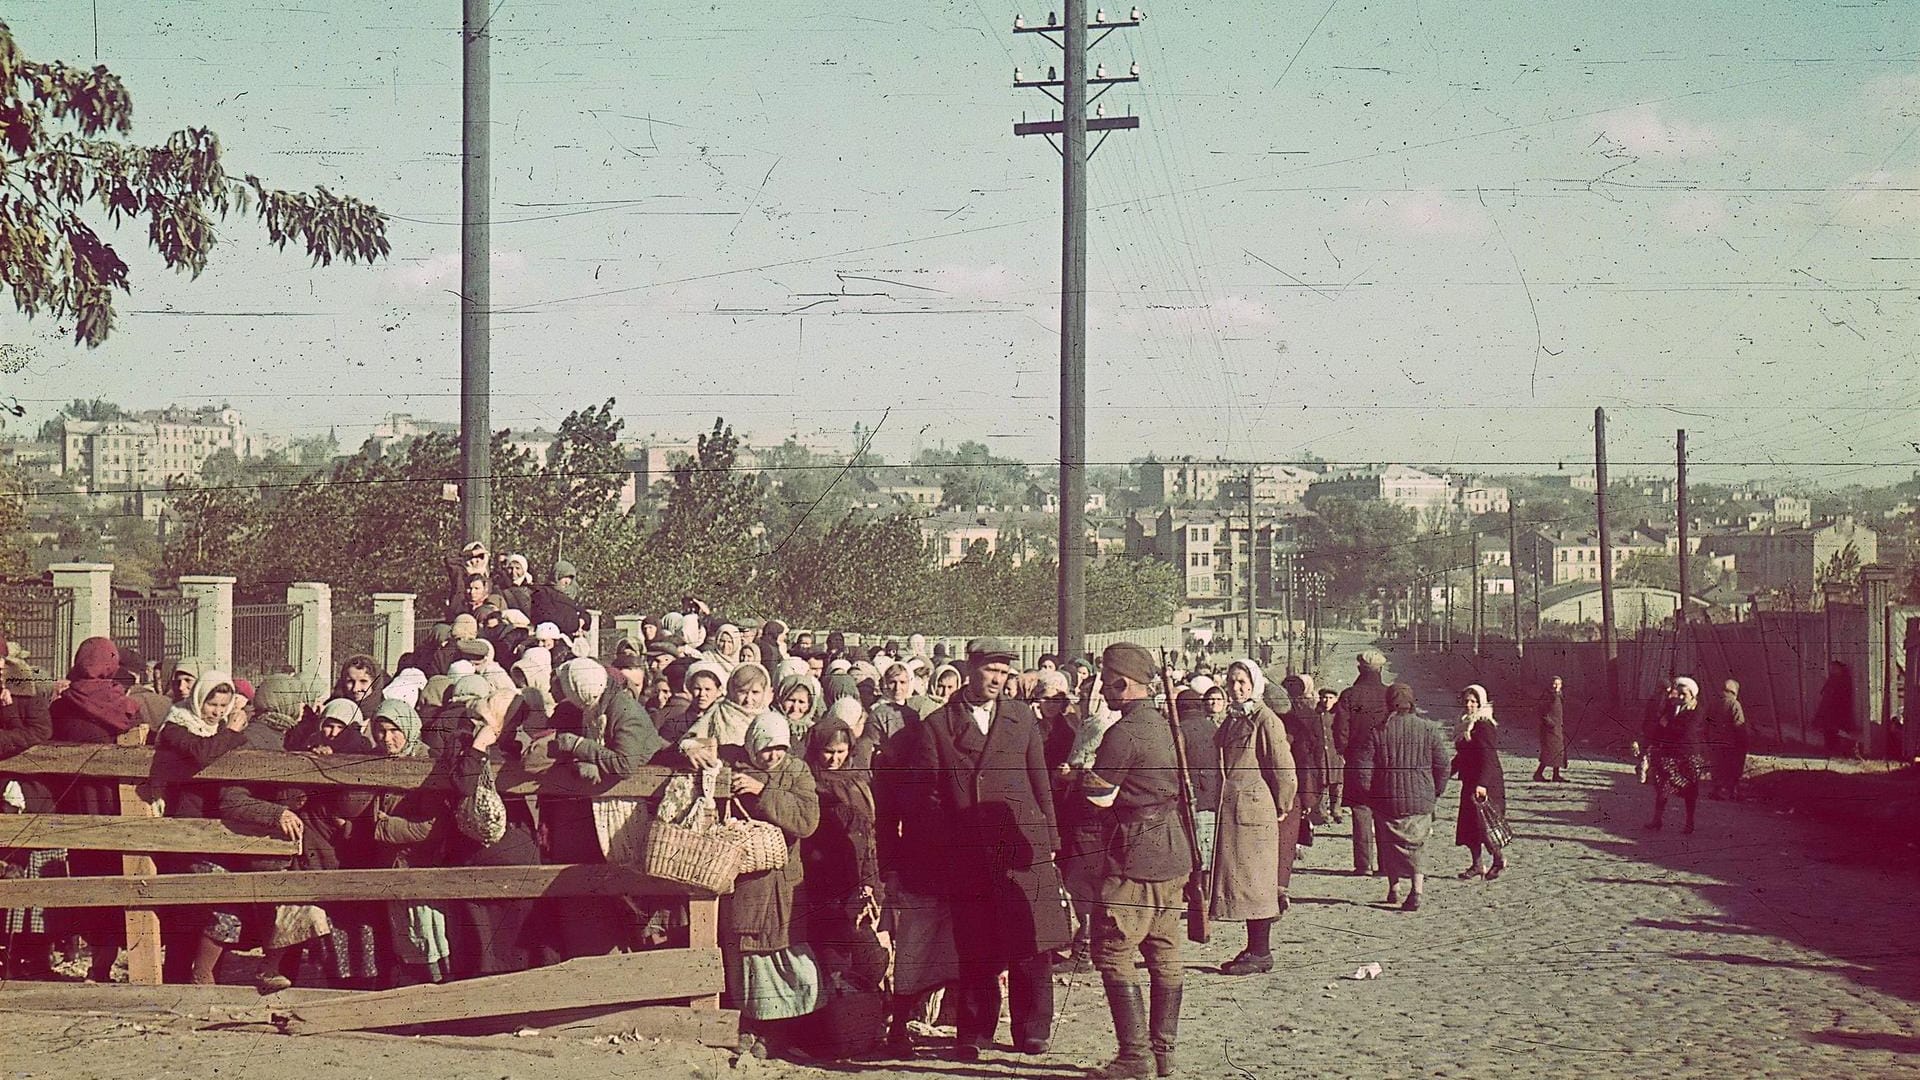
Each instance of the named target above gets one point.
<point>1144,839</point>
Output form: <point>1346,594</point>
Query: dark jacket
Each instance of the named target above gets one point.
<point>909,833</point>
<point>1197,731</point>
<point>552,605</point>
<point>178,754</point>
<point>1476,761</point>
<point>24,725</point>
<point>628,742</point>
<point>839,856</point>
<point>1302,721</point>
<point>758,915</point>
<point>1402,766</point>
<point>1360,712</point>
<point>1553,732</point>
<point>1143,837</point>
<point>995,831</point>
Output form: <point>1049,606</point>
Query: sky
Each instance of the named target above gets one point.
<point>1399,230</point>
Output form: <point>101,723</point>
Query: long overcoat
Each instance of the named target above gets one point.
<point>993,796</point>
<point>1553,732</point>
<point>1257,783</point>
<point>758,915</point>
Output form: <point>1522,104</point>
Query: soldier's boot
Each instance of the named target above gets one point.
<point>1163,1023</point>
<point>1129,1008</point>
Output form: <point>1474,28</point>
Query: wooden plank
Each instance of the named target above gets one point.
<point>93,832</point>
<point>703,932</point>
<point>580,983</point>
<point>317,770</point>
<point>313,886</point>
<point>74,999</point>
<point>143,923</point>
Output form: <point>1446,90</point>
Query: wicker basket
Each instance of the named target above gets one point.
<point>706,859</point>
<point>762,845</point>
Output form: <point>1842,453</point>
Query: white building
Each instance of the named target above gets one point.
<point>1400,485</point>
<point>1481,499</point>
<point>116,456</point>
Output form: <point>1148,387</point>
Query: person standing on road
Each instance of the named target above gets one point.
<point>1553,733</point>
<point>1333,764</point>
<point>1731,737</point>
<point>1476,760</point>
<point>1259,820</point>
<point>994,797</point>
<point>1834,714</point>
<point>1402,767</point>
<point>1361,711</point>
<point>1135,781</point>
<point>1675,748</point>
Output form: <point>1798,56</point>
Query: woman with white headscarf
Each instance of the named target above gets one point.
<point>1258,822</point>
<point>1676,751</point>
<point>1476,761</point>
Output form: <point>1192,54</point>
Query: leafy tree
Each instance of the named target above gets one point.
<point>970,475</point>
<point>1842,568</point>
<point>78,409</point>
<point>871,575</point>
<point>1364,545</point>
<point>1663,572</point>
<point>13,525</point>
<point>63,149</point>
<point>1124,593</point>
<point>708,536</point>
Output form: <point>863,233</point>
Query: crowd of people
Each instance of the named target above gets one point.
<point>957,829</point>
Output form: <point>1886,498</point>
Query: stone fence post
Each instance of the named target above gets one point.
<point>91,585</point>
<point>315,665</point>
<point>396,639</point>
<point>212,595</point>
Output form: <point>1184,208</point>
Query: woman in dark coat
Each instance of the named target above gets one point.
<point>1476,761</point>
<point>1553,733</point>
<point>487,936</point>
<point>1676,751</point>
<point>1834,714</point>
<point>842,871</point>
<point>94,709</point>
<point>1302,721</point>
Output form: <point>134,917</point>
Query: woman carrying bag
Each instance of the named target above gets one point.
<point>1476,761</point>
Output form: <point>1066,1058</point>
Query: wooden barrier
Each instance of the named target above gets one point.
<point>690,976</point>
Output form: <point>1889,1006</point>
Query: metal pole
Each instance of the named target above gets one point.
<point>1513,578</point>
<point>1680,498</point>
<point>1612,646</point>
<point>1253,586</point>
<point>476,433</point>
<point>1073,336</point>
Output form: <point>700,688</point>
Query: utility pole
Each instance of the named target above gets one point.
<point>476,209</point>
<point>1473,612</point>
<point>1072,129</point>
<point>1253,586</point>
<point>1513,578</point>
<point>1686,591</point>
<point>1610,644</point>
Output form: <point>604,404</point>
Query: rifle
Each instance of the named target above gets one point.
<point>1199,891</point>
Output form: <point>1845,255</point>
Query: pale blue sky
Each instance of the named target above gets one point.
<point>1393,230</point>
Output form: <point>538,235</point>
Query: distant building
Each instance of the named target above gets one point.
<point>1479,499</point>
<point>1634,606</point>
<point>114,457</point>
<point>1575,556</point>
<point>925,496</point>
<point>954,534</point>
<point>1789,560</point>
<point>392,435</point>
<point>1272,485</point>
<point>1211,549</point>
<point>1399,485</point>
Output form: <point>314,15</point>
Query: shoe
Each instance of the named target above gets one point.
<point>1412,904</point>
<point>1248,964</point>
<point>1472,872</point>
<point>1558,779</point>
<point>1654,825</point>
<point>1495,870</point>
<point>1392,898</point>
<point>965,1051</point>
<point>272,983</point>
<point>1129,1008</point>
<point>1033,1047</point>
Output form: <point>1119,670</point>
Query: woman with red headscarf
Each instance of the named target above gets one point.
<point>94,708</point>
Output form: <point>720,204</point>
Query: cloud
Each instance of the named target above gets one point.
<point>1420,212</point>
<point>1883,199</point>
<point>1697,211</point>
<point>440,273</point>
<point>1643,132</point>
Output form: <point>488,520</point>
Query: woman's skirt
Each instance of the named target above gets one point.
<point>1401,840</point>
<point>773,985</point>
<point>1677,774</point>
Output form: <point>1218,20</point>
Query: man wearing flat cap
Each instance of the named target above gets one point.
<point>1135,780</point>
<point>983,758</point>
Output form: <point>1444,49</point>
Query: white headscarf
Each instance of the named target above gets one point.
<point>580,681</point>
<point>769,729</point>
<point>1683,683</point>
<point>1254,673</point>
<point>188,716</point>
<point>1483,713</point>
<point>406,686</point>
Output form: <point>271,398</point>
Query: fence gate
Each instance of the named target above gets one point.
<point>39,619</point>
<point>266,639</point>
<point>162,628</point>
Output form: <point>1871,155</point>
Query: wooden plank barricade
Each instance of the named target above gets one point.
<point>679,977</point>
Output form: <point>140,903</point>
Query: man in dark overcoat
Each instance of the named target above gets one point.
<point>1360,712</point>
<point>994,799</point>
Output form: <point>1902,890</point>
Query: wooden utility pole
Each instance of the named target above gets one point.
<point>1253,582</point>
<point>1686,591</point>
<point>1610,645</point>
<point>1072,129</point>
<point>1473,611</point>
<point>1513,579</point>
<point>476,434</point>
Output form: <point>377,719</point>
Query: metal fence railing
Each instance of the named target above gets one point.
<point>355,632</point>
<point>39,620</point>
<point>161,627</point>
<point>266,640</point>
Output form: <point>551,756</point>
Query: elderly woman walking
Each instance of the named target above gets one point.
<point>1476,760</point>
<point>1553,732</point>
<point>1259,820</point>
<point>769,976</point>
<point>1402,767</point>
<point>1676,751</point>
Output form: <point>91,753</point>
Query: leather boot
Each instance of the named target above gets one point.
<point>206,958</point>
<point>1129,1007</point>
<point>1163,1024</point>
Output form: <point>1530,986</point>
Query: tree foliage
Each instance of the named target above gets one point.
<point>65,156</point>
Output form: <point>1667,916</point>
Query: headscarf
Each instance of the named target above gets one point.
<point>580,681</point>
<point>847,712</point>
<point>787,683</point>
<point>465,627</point>
<point>402,715</point>
<point>536,666</point>
<point>93,690</point>
<point>406,686</point>
<point>917,645</point>
<point>790,667</point>
<point>344,710</point>
<point>767,730</point>
<point>1259,678</point>
<point>934,681</point>
<point>468,689</point>
<point>1047,683</point>
<point>1200,684</point>
<point>436,691</point>
<point>188,715</point>
<point>1372,660</point>
<point>1686,684</point>
<point>851,784</point>
<point>460,669</point>
<point>709,667</point>
<point>1483,713</point>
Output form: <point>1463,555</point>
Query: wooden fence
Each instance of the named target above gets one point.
<point>690,977</point>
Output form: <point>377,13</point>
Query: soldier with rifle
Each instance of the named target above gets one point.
<point>1137,781</point>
